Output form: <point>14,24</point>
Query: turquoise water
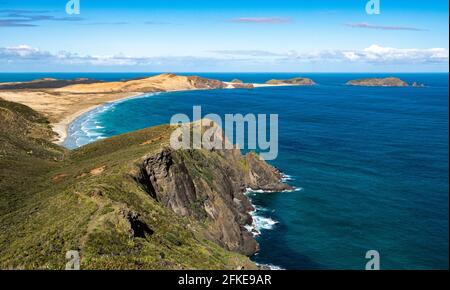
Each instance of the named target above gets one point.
<point>372,164</point>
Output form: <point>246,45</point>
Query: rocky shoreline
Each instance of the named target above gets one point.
<point>129,201</point>
<point>169,177</point>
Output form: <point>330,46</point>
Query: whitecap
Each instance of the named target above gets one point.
<point>270,266</point>
<point>259,223</point>
<point>249,190</point>
<point>87,128</point>
<point>264,223</point>
<point>294,189</point>
<point>285,178</point>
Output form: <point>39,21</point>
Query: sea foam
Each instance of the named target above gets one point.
<point>87,128</point>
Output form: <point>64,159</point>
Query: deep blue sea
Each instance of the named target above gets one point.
<point>372,164</point>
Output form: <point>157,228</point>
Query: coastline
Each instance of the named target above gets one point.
<point>260,221</point>
<point>62,127</point>
<point>64,105</point>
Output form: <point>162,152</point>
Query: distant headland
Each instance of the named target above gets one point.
<point>62,101</point>
<point>299,81</point>
<point>378,82</point>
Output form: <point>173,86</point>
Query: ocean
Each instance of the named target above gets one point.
<point>370,164</point>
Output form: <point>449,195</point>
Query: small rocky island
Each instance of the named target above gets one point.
<point>299,81</point>
<point>237,81</point>
<point>418,85</point>
<point>378,82</point>
<point>238,84</point>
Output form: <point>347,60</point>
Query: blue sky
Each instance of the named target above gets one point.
<point>201,36</point>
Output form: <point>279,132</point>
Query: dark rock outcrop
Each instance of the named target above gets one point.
<point>139,228</point>
<point>209,185</point>
<point>204,83</point>
<point>418,85</point>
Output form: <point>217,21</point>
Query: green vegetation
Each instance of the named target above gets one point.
<point>237,81</point>
<point>294,81</point>
<point>53,200</point>
<point>378,82</point>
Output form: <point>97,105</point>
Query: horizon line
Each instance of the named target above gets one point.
<point>228,72</point>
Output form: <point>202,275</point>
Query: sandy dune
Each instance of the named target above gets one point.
<point>62,105</point>
<point>164,82</point>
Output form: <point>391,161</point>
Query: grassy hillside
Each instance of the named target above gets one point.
<point>53,200</point>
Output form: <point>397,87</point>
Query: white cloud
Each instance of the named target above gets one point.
<point>372,54</point>
<point>22,52</point>
<point>27,56</point>
<point>351,55</point>
<point>382,27</point>
<point>378,54</point>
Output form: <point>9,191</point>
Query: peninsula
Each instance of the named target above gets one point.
<point>62,101</point>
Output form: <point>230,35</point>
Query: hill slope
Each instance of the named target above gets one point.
<point>159,83</point>
<point>128,202</point>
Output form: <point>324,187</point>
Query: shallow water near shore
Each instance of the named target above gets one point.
<point>372,164</point>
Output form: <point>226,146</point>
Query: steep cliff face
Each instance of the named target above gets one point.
<point>209,186</point>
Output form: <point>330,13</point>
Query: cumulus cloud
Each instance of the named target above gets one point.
<point>374,54</point>
<point>262,20</point>
<point>382,27</point>
<point>378,54</point>
<point>24,54</point>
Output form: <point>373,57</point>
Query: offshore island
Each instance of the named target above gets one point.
<point>382,82</point>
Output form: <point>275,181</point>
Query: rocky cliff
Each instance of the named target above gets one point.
<point>209,186</point>
<point>127,202</point>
